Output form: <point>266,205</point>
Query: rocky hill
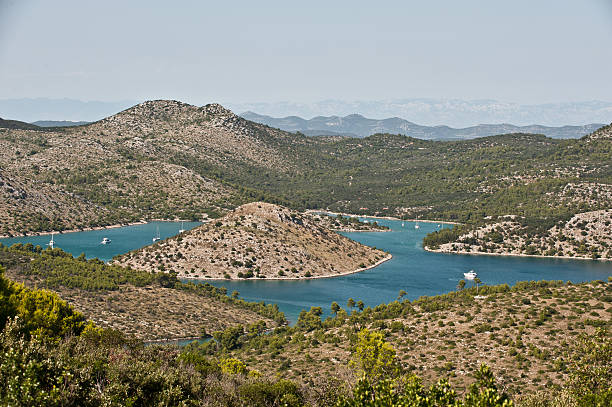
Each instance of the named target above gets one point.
<point>604,133</point>
<point>257,240</point>
<point>154,160</point>
<point>586,235</point>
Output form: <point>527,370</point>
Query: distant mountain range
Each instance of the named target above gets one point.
<point>165,159</point>
<point>355,125</point>
<point>428,112</point>
<point>452,112</point>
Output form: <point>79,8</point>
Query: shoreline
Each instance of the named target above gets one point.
<point>92,228</point>
<point>360,230</point>
<point>463,252</point>
<point>346,273</point>
<point>165,341</point>
<point>352,215</point>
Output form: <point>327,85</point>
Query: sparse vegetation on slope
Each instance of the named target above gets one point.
<point>259,240</point>
<point>50,356</point>
<point>523,332</point>
<point>145,305</point>
<point>586,235</point>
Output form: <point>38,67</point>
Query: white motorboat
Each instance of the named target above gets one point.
<point>470,275</point>
<point>106,240</point>
<point>156,237</point>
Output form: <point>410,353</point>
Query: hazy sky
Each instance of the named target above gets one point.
<point>523,51</point>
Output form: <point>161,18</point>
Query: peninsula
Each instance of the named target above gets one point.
<point>259,240</point>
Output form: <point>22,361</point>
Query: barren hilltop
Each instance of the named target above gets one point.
<point>158,159</point>
<point>257,240</point>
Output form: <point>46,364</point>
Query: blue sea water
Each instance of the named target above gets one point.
<point>411,269</point>
<point>123,239</point>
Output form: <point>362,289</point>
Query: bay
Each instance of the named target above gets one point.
<point>411,269</point>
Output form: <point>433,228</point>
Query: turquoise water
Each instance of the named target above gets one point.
<point>412,269</point>
<point>123,239</point>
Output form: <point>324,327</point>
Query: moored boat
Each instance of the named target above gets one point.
<point>470,275</point>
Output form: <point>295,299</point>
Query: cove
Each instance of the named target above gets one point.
<point>123,239</point>
<point>411,269</point>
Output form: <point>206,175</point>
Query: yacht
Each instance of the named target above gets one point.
<point>106,240</point>
<point>416,226</point>
<point>156,238</point>
<point>470,275</point>
<point>51,242</point>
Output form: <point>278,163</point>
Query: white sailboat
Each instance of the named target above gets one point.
<point>51,242</point>
<point>416,226</point>
<point>182,229</point>
<point>156,237</point>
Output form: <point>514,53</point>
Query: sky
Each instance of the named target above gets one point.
<point>520,51</point>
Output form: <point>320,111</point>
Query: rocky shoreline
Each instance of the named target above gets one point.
<point>352,215</point>
<point>476,253</point>
<point>346,273</point>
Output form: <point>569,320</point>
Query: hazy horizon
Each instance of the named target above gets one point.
<point>424,111</point>
<point>524,52</point>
